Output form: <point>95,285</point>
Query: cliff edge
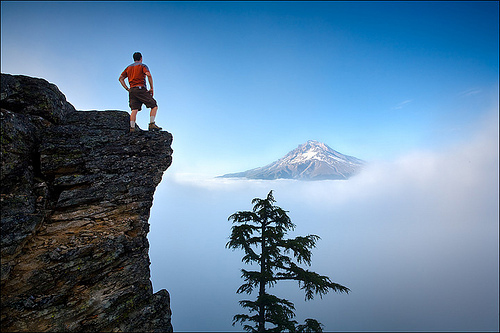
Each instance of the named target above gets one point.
<point>76,192</point>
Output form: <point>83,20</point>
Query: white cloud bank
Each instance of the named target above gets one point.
<point>415,239</point>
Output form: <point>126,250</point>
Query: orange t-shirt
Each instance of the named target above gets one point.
<point>136,74</point>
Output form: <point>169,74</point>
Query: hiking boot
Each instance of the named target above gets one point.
<point>135,129</point>
<point>154,127</point>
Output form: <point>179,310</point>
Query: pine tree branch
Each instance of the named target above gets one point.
<point>262,230</point>
<point>311,282</point>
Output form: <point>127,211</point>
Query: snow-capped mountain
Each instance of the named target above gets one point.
<point>312,160</point>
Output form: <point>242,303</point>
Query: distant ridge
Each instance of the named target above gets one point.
<point>312,160</point>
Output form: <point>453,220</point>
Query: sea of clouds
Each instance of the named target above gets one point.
<point>416,239</point>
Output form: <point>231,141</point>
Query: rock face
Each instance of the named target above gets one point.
<point>76,193</point>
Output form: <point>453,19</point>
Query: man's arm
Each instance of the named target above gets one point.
<point>150,79</point>
<point>122,81</point>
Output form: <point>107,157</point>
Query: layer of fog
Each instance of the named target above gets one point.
<point>415,239</point>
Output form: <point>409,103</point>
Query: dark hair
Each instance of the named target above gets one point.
<point>137,56</point>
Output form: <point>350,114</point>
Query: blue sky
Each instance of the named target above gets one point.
<point>410,87</point>
<point>240,84</point>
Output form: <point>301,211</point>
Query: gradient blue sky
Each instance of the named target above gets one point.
<point>410,87</point>
<point>239,84</point>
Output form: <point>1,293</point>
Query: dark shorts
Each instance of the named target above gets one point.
<point>138,96</point>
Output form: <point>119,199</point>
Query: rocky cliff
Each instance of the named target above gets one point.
<point>76,192</point>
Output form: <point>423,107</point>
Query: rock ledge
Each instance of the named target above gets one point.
<point>76,193</point>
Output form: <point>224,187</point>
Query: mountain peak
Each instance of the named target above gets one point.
<point>312,160</point>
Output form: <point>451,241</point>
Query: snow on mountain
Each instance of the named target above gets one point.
<point>312,160</point>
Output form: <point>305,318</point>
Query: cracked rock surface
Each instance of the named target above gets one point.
<point>76,193</point>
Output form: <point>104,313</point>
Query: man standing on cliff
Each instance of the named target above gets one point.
<point>138,93</point>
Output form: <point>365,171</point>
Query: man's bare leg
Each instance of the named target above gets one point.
<point>152,115</point>
<point>133,117</point>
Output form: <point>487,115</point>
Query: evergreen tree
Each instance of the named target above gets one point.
<point>259,233</point>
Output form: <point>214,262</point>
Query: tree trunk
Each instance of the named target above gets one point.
<point>262,289</point>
